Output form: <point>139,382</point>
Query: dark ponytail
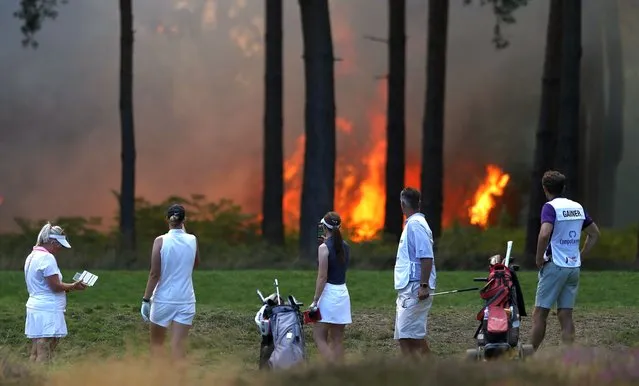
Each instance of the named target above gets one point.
<point>334,221</point>
<point>338,243</point>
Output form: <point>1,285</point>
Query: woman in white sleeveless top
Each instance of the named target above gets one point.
<point>169,298</point>
<point>46,306</point>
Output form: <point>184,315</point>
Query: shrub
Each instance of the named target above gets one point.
<point>230,238</point>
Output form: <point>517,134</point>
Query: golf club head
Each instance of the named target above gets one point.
<point>293,301</point>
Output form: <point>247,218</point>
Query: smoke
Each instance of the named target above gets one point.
<point>198,98</point>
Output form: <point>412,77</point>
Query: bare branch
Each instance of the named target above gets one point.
<point>376,39</point>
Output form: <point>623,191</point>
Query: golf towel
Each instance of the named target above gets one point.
<point>335,304</point>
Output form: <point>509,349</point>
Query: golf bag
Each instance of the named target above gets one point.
<point>281,327</point>
<point>499,319</point>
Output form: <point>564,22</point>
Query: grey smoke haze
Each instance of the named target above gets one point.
<point>198,100</point>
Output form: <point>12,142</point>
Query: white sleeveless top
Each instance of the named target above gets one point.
<point>39,265</point>
<point>177,258</point>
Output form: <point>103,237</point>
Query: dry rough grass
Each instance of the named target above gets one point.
<point>576,366</point>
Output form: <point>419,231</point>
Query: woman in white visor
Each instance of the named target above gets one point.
<point>331,295</point>
<point>46,306</point>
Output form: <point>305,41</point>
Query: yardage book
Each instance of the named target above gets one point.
<point>86,278</point>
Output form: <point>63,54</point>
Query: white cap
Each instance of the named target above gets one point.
<point>62,239</point>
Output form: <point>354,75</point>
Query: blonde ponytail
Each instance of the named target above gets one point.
<point>43,236</point>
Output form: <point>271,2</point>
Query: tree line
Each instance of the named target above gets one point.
<point>559,133</point>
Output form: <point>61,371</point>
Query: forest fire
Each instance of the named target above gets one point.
<point>483,202</point>
<point>360,192</point>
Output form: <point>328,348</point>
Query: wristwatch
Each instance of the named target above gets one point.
<point>424,285</point>
<point>145,300</point>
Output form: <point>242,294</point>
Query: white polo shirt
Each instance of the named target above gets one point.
<point>415,244</point>
<point>39,265</point>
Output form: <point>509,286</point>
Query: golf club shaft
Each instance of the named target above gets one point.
<point>509,247</point>
<point>277,292</point>
<point>456,291</point>
<point>259,293</point>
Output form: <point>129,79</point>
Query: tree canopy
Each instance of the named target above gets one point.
<point>33,13</point>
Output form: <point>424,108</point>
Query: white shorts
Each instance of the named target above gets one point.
<point>45,324</point>
<point>411,319</point>
<point>163,314</point>
<point>335,304</point>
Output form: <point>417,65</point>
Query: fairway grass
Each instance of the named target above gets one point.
<point>104,320</point>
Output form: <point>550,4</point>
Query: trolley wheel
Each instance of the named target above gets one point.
<point>526,350</point>
<point>472,354</point>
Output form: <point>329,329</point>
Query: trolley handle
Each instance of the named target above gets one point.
<point>484,279</point>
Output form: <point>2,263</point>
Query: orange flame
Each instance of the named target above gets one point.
<point>366,217</point>
<point>483,203</point>
<point>360,190</point>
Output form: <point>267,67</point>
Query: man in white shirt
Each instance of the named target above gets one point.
<point>559,258</point>
<point>415,277</point>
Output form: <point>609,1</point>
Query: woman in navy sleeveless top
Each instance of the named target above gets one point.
<point>331,295</point>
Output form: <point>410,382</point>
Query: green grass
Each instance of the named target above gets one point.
<point>105,319</point>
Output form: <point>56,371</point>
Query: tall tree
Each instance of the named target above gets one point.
<point>637,255</point>
<point>318,184</point>
<point>127,186</point>
<point>612,144</point>
<point>395,124</point>
<point>567,152</point>
<point>273,193</point>
<point>546,138</point>
<point>593,106</point>
<point>432,175</point>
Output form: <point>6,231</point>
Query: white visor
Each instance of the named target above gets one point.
<point>329,226</point>
<point>62,240</point>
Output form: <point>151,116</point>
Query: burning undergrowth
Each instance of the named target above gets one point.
<point>360,191</point>
<point>577,366</point>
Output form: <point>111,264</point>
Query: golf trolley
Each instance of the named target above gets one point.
<point>498,333</point>
<point>281,326</point>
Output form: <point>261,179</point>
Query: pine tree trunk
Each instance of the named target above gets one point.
<point>395,124</point>
<point>127,188</point>
<point>612,141</point>
<point>546,138</point>
<point>637,256</point>
<point>568,138</point>
<point>432,178</point>
<point>273,181</point>
<point>318,183</point>
<point>593,107</point>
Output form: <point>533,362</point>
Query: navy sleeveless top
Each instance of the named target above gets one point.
<point>336,269</point>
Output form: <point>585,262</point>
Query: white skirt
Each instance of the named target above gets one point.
<point>45,324</point>
<point>335,304</point>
